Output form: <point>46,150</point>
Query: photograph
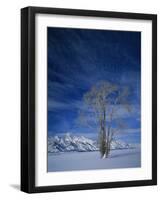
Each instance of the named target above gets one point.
<point>93,99</point>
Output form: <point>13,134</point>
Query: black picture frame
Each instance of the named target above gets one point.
<point>28,98</point>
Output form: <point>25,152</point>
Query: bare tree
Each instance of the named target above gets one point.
<point>105,101</point>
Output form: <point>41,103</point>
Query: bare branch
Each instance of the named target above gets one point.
<point>105,101</point>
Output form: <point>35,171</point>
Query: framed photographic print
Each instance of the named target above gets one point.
<point>88,99</point>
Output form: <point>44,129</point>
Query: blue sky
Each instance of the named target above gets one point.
<point>80,58</point>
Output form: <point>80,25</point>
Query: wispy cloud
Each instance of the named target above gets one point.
<point>64,105</point>
<point>129,131</point>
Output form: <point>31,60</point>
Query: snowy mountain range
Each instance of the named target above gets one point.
<point>70,143</point>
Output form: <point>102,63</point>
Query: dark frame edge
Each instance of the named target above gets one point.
<point>24,100</point>
<point>154,99</point>
<point>93,186</point>
<point>27,183</point>
<point>92,13</point>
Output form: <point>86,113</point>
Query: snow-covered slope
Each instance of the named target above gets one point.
<point>70,142</point>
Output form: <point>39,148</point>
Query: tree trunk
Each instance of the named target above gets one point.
<point>108,145</point>
<point>103,139</point>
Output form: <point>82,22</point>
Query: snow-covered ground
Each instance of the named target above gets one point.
<point>69,161</point>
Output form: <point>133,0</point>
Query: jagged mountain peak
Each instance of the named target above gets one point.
<point>69,142</point>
